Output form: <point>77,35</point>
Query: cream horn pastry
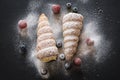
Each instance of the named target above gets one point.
<point>46,45</point>
<point>72,26</point>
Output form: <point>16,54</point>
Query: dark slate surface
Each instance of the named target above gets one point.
<point>13,67</point>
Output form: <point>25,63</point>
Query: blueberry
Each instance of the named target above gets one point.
<point>67,65</point>
<point>62,56</point>
<point>23,49</point>
<point>59,44</point>
<point>44,72</point>
<point>75,9</point>
<point>68,5</point>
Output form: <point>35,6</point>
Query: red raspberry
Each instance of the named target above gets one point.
<point>89,42</point>
<point>77,61</point>
<point>22,24</point>
<point>56,8</point>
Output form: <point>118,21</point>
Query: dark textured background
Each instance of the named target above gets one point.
<point>13,67</point>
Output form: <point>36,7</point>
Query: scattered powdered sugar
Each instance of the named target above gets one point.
<point>83,1</point>
<point>91,30</point>
<point>34,5</point>
<point>103,50</point>
<point>31,20</point>
<point>102,46</point>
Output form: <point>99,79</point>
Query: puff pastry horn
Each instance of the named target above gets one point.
<point>72,25</point>
<point>46,45</point>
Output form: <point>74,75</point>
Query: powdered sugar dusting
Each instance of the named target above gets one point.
<point>92,31</point>
<point>31,19</point>
<point>84,1</point>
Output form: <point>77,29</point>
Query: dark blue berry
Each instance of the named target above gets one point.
<point>75,9</point>
<point>62,56</point>
<point>59,44</point>
<point>23,49</point>
<point>67,65</point>
<point>68,5</point>
<point>44,72</point>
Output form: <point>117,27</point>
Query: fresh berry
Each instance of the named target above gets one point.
<point>62,56</point>
<point>59,44</point>
<point>69,5</point>
<point>75,9</point>
<point>67,65</point>
<point>77,61</point>
<point>44,72</point>
<point>56,8</point>
<point>89,42</point>
<point>22,24</point>
<point>23,49</point>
